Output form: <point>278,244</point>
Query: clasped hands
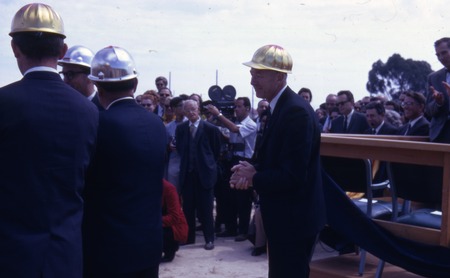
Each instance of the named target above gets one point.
<point>242,177</point>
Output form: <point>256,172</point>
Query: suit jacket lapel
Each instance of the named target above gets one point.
<point>275,115</point>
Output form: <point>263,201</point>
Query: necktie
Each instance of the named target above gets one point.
<point>407,129</point>
<point>192,129</point>
<point>264,121</point>
<point>268,116</point>
<point>345,123</point>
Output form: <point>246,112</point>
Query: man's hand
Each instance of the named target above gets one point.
<point>438,96</point>
<point>213,110</point>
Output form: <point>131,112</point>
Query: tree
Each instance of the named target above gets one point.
<point>398,75</point>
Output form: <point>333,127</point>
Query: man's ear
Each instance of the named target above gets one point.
<point>15,49</point>
<point>63,51</point>
<point>135,85</point>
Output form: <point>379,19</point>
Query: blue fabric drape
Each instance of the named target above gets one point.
<point>346,219</point>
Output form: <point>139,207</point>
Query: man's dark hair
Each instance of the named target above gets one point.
<point>163,79</point>
<point>167,89</point>
<point>246,102</point>
<point>305,90</point>
<point>397,107</point>
<point>39,45</point>
<point>175,101</point>
<point>441,40</point>
<point>184,96</point>
<point>348,94</point>
<point>419,97</point>
<point>378,106</point>
<point>114,87</point>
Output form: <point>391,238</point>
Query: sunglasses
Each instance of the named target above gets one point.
<point>69,75</point>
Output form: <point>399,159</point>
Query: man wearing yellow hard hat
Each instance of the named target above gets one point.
<point>285,170</point>
<point>48,131</point>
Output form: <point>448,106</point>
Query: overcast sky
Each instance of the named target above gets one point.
<point>333,43</point>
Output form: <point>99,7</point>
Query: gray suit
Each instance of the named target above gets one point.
<point>439,125</point>
<point>198,174</point>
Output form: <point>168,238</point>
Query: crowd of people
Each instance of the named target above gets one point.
<point>111,182</point>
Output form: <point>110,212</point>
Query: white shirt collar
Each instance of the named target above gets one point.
<point>117,100</point>
<point>196,122</point>
<point>274,101</point>
<point>379,127</point>
<point>91,96</point>
<point>40,68</point>
<point>413,122</point>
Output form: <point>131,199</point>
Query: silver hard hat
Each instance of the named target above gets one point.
<point>77,55</point>
<point>112,64</point>
<point>271,57</point>
<point>37,17</point>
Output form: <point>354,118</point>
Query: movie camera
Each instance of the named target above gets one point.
<point>223,99</point>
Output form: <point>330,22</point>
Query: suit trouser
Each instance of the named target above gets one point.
<point>290,258</point>
<point>170,245</point>
<point>260,234</point>
<point>198,199</point>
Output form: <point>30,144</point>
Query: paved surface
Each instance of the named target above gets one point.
<point>228,259</point>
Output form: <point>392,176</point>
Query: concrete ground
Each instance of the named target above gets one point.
<point>228,259</point>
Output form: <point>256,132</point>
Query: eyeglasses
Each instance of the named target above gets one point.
<point>70,74</point>
<point>341,103</point>
<point>408,103</point>
<point>159,84</point>
<point>164,95</point>
<point>146,105</point>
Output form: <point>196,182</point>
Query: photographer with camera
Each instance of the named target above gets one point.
<point>241,145</point>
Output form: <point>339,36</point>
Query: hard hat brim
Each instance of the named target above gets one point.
<point>263,67</point>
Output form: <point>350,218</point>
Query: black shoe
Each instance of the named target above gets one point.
<point>241,237</point>
<point>225,234</point>
<point>168,257</point>
<point>257,251</point>
<point>209,246</point>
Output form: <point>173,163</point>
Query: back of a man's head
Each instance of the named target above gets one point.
<point>39,45</point>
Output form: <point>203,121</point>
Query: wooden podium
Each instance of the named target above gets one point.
<point>403,149</point>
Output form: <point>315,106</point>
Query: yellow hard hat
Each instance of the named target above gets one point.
<point>37,17</point>
<point>271,57</point>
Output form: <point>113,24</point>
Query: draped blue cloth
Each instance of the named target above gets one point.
<point>346,219</point>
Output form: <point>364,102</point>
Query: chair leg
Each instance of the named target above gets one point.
<point>362,262</point>
<point>380,268</point>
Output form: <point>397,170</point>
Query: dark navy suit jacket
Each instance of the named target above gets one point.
<point>358,124</point>
<point>420,128</point>
<point>386,129</point>
<point>122,226</point>
<point>288,178</point>
<point>47,135</point>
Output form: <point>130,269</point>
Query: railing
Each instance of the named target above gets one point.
<point>404,149</point>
